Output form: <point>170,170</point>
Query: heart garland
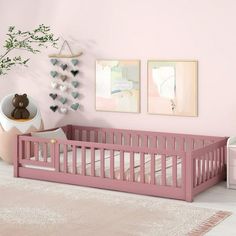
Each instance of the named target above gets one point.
<point>75,106</point>
<point>63,77</point>
<point>53,74</point>
<point>74,94</point>
<point>75,83</point>
<point>54,61</point>
<point>63,100</point>
<point>63,110</point>
<point>53,108</point>
<point>63,87</point>
<point>54,84</point>
<point>75,62</point>
<point>63,66</point>
<point>53,95</point>
<point>74,72</point>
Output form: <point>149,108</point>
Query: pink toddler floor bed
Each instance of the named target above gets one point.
<point>168,165</point>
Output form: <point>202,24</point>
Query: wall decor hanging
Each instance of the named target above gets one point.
<point>53,95</point>
<point>53,73</point>
<point>63,110</point>
<point>118,85</point>
<point>75,106</point>
<point>61,55</point>
<point>53,108</point>
<point>64,75</point>
<point>54,61</point>
<point>172,87</point>
<point>54,84</point>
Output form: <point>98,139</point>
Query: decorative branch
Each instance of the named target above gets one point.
<point>31,41</point>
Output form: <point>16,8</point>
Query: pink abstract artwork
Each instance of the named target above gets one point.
<point>117,85</point>
<point>172,88</point>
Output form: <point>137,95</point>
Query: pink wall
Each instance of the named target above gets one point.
<point>134,29</point>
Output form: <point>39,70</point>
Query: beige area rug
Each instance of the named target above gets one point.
<point>29,208</point>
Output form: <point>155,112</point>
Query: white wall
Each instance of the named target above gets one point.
<point>134,29</point>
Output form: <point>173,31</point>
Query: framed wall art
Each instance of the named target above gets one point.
<point>118,85</point>
<point>172,87</point>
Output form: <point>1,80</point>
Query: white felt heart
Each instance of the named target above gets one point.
<point>54,84</point>
<point>63,110</point>
<point>63,87</point>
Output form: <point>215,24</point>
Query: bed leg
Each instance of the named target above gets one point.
<point>15,157</point>
<point>189,178</point>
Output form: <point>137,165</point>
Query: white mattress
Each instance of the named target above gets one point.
<point>137,156</point>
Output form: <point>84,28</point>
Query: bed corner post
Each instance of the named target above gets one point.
<point>16,156</point>
<point>189,177</point>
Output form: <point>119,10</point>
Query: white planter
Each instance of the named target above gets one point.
<point>10,127</point>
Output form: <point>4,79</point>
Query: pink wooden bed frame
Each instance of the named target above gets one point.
<point>202,160</point>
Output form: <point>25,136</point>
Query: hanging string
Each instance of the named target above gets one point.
<point>60,55</point>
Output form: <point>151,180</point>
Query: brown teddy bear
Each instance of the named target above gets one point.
<point>20,102</point>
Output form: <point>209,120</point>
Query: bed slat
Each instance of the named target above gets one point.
<point>121,165</point>
<point>57,156</point>
<point>80,134</point>
<point>45,152</point>
<point>127,139</point>
<point>95,136</point>
<point>219,161</point>
<point>65,158</point>
<point>190,144</point>
<point>153,178</point>
<point>144,141</point>
<point>36,150</point>
<point>153,142</point>
<point>207,167</point>
<point>174,171</point>
<point>142,168</point>
<point>21,149</point>
<point>132,179</point>
<point>162,143</point>
<point>74,160</point>
<point>27,149</point>
<point>215,162</point>
<point>180,143</point>
<point>199,173</point>
<point>119,138</point>
<point>194,171</point>
<point>170,143</point>
<point>203,177</point>
<point>222,158</point>
<point>102,171</point>
<point>92,162</point>
<point>52,152</point>
<point>112,164</point>
<point>103,134</point>
<point>163,170</point>
<point>83,161</point>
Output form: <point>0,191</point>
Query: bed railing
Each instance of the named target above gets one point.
<point>141,138</point>
<point>193,162</point>
<point>50,158</point>
<point>209,164</point>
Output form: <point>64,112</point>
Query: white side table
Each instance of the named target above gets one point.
<point>231,163</point>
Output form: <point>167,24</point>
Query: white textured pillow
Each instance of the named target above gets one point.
<point>54,134</point>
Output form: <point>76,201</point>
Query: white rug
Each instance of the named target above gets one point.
<point>29,208</point>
